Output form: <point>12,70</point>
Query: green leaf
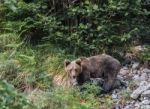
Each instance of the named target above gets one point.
<point>95,7</point>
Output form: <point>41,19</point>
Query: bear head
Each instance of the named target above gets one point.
<point>75,69</point>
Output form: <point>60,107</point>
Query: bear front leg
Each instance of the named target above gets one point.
<point>86,76</point>
<point>108,83</point>
<point>119,83</point>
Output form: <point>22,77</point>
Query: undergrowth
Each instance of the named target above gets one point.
<point>36,36</point>
<point>31,68</point>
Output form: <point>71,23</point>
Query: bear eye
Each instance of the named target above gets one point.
<point>76,70</point>
<point>70,70</point>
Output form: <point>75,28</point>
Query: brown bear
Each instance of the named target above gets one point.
<point>100,66</point>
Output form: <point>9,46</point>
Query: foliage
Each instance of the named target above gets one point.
<point>37,35</point>
<point>62,98</point>
<point>146,54</point>
<point>81,27</point>
<point>11,99</point>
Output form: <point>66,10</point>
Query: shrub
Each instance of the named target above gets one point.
<point>62,98</point>
<point>11,99</point>
<point>82,27</point>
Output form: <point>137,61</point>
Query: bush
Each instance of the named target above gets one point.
<point>62,98</point>
<point>54,29</point>
<point>11,99</point>
<point>82,27</point>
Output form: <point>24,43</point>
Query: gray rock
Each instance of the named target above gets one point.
<point>120,77</point>
<point>139,72</point>
<point>146,93</point>
<point>144,98</point>
<point>145,107</point>
<point>136,108</point>
<point>146,70</point>
<point>114,96</point>
<point>140,48</point>
<point>118,106</point>
<point>137,79</point>
<point>144,77</point>
<point>132,102</point>
<point>124,71</point>
<point>136,93</point>
<point>146,102</point>
<point>134,71</point>
<point>137,105</point>
<point>135,65</point>
<point>128,107</point>
<point>143,83</point>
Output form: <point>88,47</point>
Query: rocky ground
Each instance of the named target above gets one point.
<point>136,94</point>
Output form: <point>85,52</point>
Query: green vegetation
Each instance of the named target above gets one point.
<point>10,99</point>
<point>37,35</point>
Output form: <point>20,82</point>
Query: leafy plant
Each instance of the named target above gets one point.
<point>63,99</point>
<point>11,99</point>
<point>84,27</point>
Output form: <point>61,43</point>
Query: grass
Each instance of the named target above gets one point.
<point>31,68</point>
<point>60,98</point>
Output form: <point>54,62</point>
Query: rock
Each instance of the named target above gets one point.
<point>114,96</point>
<point>137,79</point>
<point>146,70</point>
<point>136,93</point>
<point>124,71</point>
<point>118,106</point>
<point>135,65</point>
<point>137,105</point>
<point>140,48</point>
<point>144,77</point>
<point>146,93</point>
<point>120,77</point>
<point>146,102</point>
<point>145,107</point>
<point>143,83</point>
<point>134,71</point>
<point>128,107</point>
<point>133,102</point>
<point>139,72</point>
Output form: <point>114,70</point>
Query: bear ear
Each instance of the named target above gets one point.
<point>83,58</point>
<point>78,62</point>
<point>66,62</point>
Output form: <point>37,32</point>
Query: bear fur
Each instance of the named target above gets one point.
<point>100,66</point>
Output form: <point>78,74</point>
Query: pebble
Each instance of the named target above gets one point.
<point>137,105</point>
<point>128,107</point>
<point>146,102</point>
<point>143,83</point>
<point>146,93</point>
<point>137,79</point>
<point>134,71</point>
<point>136,93</point>
<point>146,70</point>
<point>114,96</point>
<point>145,107</point>
<point>144,77</point>
<point>124,71</point>
<point>135,65</point>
